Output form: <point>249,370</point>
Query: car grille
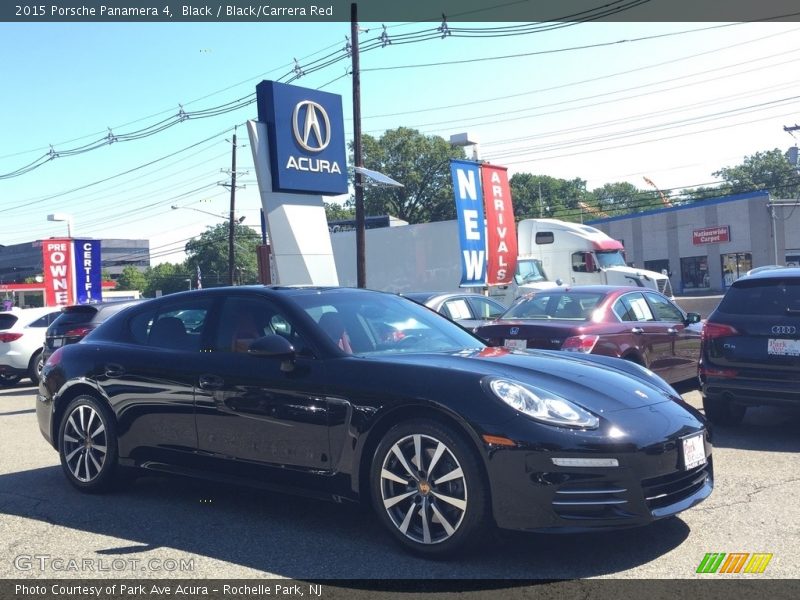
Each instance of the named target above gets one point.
<point>587,501</point>
<point>668,489</point>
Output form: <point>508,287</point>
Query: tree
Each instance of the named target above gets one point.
<point>337,212</point>
<point>131,278</point>
<point>167,277</point>
<point>537,196</point>
<point>768,170</point>
<point>622,198</point>
<point>422,164</point>
<point>210,252</point>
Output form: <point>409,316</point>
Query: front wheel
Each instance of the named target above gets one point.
<point>87,443</point>
<point>35,368</point>
<point>428,488</point>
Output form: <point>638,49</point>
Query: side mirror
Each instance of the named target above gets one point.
<point>693,318</point>
<point>274,346</point>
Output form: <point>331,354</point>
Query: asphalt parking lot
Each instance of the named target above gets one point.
<point>170,527</point>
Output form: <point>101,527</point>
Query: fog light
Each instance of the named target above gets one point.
<point>585,462</point>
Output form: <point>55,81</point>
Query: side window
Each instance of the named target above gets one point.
<point>41,321</point>
<point>456,309</point>
<point>633,307</point>
<point>172,327</point>
<point>664,309</point>
<point>244,320</point>
<point>579,262</point>
<point>544,237</point>
<point>484,309</point>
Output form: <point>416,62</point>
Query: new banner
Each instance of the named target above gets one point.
<point>471,232</point>
<point>501,234</point>
<point>88,272</point>
<point>57,263</point>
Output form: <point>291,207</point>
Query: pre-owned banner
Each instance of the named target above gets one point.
<point>471,232</point>
<point>58,282</point>
<point>501,234</point>
<point>88,271</point>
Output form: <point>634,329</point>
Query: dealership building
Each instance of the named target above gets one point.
<point>707,245</point>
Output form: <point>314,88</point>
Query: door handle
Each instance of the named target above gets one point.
<point>211,382</point>
<point>672,331</point>
<point>637,330</point>
<point>114,370</point>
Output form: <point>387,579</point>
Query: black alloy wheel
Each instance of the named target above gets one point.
<point>87,444</point>
<point>428,488</point>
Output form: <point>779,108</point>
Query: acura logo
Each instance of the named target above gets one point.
<point>784,330</point>
<point>513,331</point>
<point>314,133</point>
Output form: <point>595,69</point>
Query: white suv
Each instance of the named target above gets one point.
<point>21,340</point>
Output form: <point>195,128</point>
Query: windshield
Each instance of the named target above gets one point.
<point>576,306</point>
<point>379,323</point>
<point>610,258</point>
<point>773,297</point>
<point>529,270</point>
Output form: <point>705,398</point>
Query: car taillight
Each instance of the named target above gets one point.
<point>54,358</point>
<point>9,337</point>
<point>78,332</point>
<point>711,372</point>
<point>717,330</point>
<point>580,343</point>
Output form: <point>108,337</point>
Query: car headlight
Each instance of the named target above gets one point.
<point>541,405</point>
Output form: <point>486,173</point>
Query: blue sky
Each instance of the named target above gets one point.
<point>673,108</point>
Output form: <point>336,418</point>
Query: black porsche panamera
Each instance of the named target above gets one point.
<point>365,396</point>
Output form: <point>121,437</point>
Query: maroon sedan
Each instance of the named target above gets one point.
<point>633,323</point>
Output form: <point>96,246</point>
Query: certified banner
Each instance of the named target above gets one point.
<point>471,232</point>
<point>88,271</point>
<point>501,233</point>
<point>57,263</point>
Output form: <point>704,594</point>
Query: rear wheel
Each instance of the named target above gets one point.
<point>428,488</point>
<point>722,411</point>
<point>35,368</point>
<point>87,443</point>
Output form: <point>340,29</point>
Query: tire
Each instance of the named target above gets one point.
<point>410,501</point>
<point>35,368</point>
<point>7,380</point>
<point>87,445</point>
<point>723,412</point>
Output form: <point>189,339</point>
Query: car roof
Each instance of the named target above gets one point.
<point>776,273</point>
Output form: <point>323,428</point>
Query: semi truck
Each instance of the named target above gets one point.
<point>426,258</point>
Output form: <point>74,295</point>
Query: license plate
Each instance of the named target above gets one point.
<point>516,344</point>
<point>783,347</point>
<point>57,342</point>
<point>694,452</point>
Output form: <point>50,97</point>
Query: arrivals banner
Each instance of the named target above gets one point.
<point>58,276</point>
<point>88,271</point>
<point>501,233</point>
<point>471,230</point>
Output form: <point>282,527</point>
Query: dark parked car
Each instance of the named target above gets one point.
<point>639,325</point>
<point>75,322</point>
<point>468,310</point>
<point>309,388</point>
<point>751,346</point>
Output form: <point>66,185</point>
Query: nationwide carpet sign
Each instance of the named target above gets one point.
<point>488,247</point>
<point>72,271</point>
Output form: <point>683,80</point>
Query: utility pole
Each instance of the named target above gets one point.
<point>232,217</point>
<point>361,267</point>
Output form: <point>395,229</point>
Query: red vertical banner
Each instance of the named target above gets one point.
<point>59,289</point>
<point>501,233</point>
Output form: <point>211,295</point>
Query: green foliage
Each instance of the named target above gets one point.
<point>337,212</point>
<point>210,252</point>
<point>536,196</point>
<point>768,170</point>
<point>167,277</point>
<point>131,278</point>
<point>422,164</point>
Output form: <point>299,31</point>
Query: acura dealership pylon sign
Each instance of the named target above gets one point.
<point>305,129</point>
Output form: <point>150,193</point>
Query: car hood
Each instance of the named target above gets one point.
<point>600,384</point>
